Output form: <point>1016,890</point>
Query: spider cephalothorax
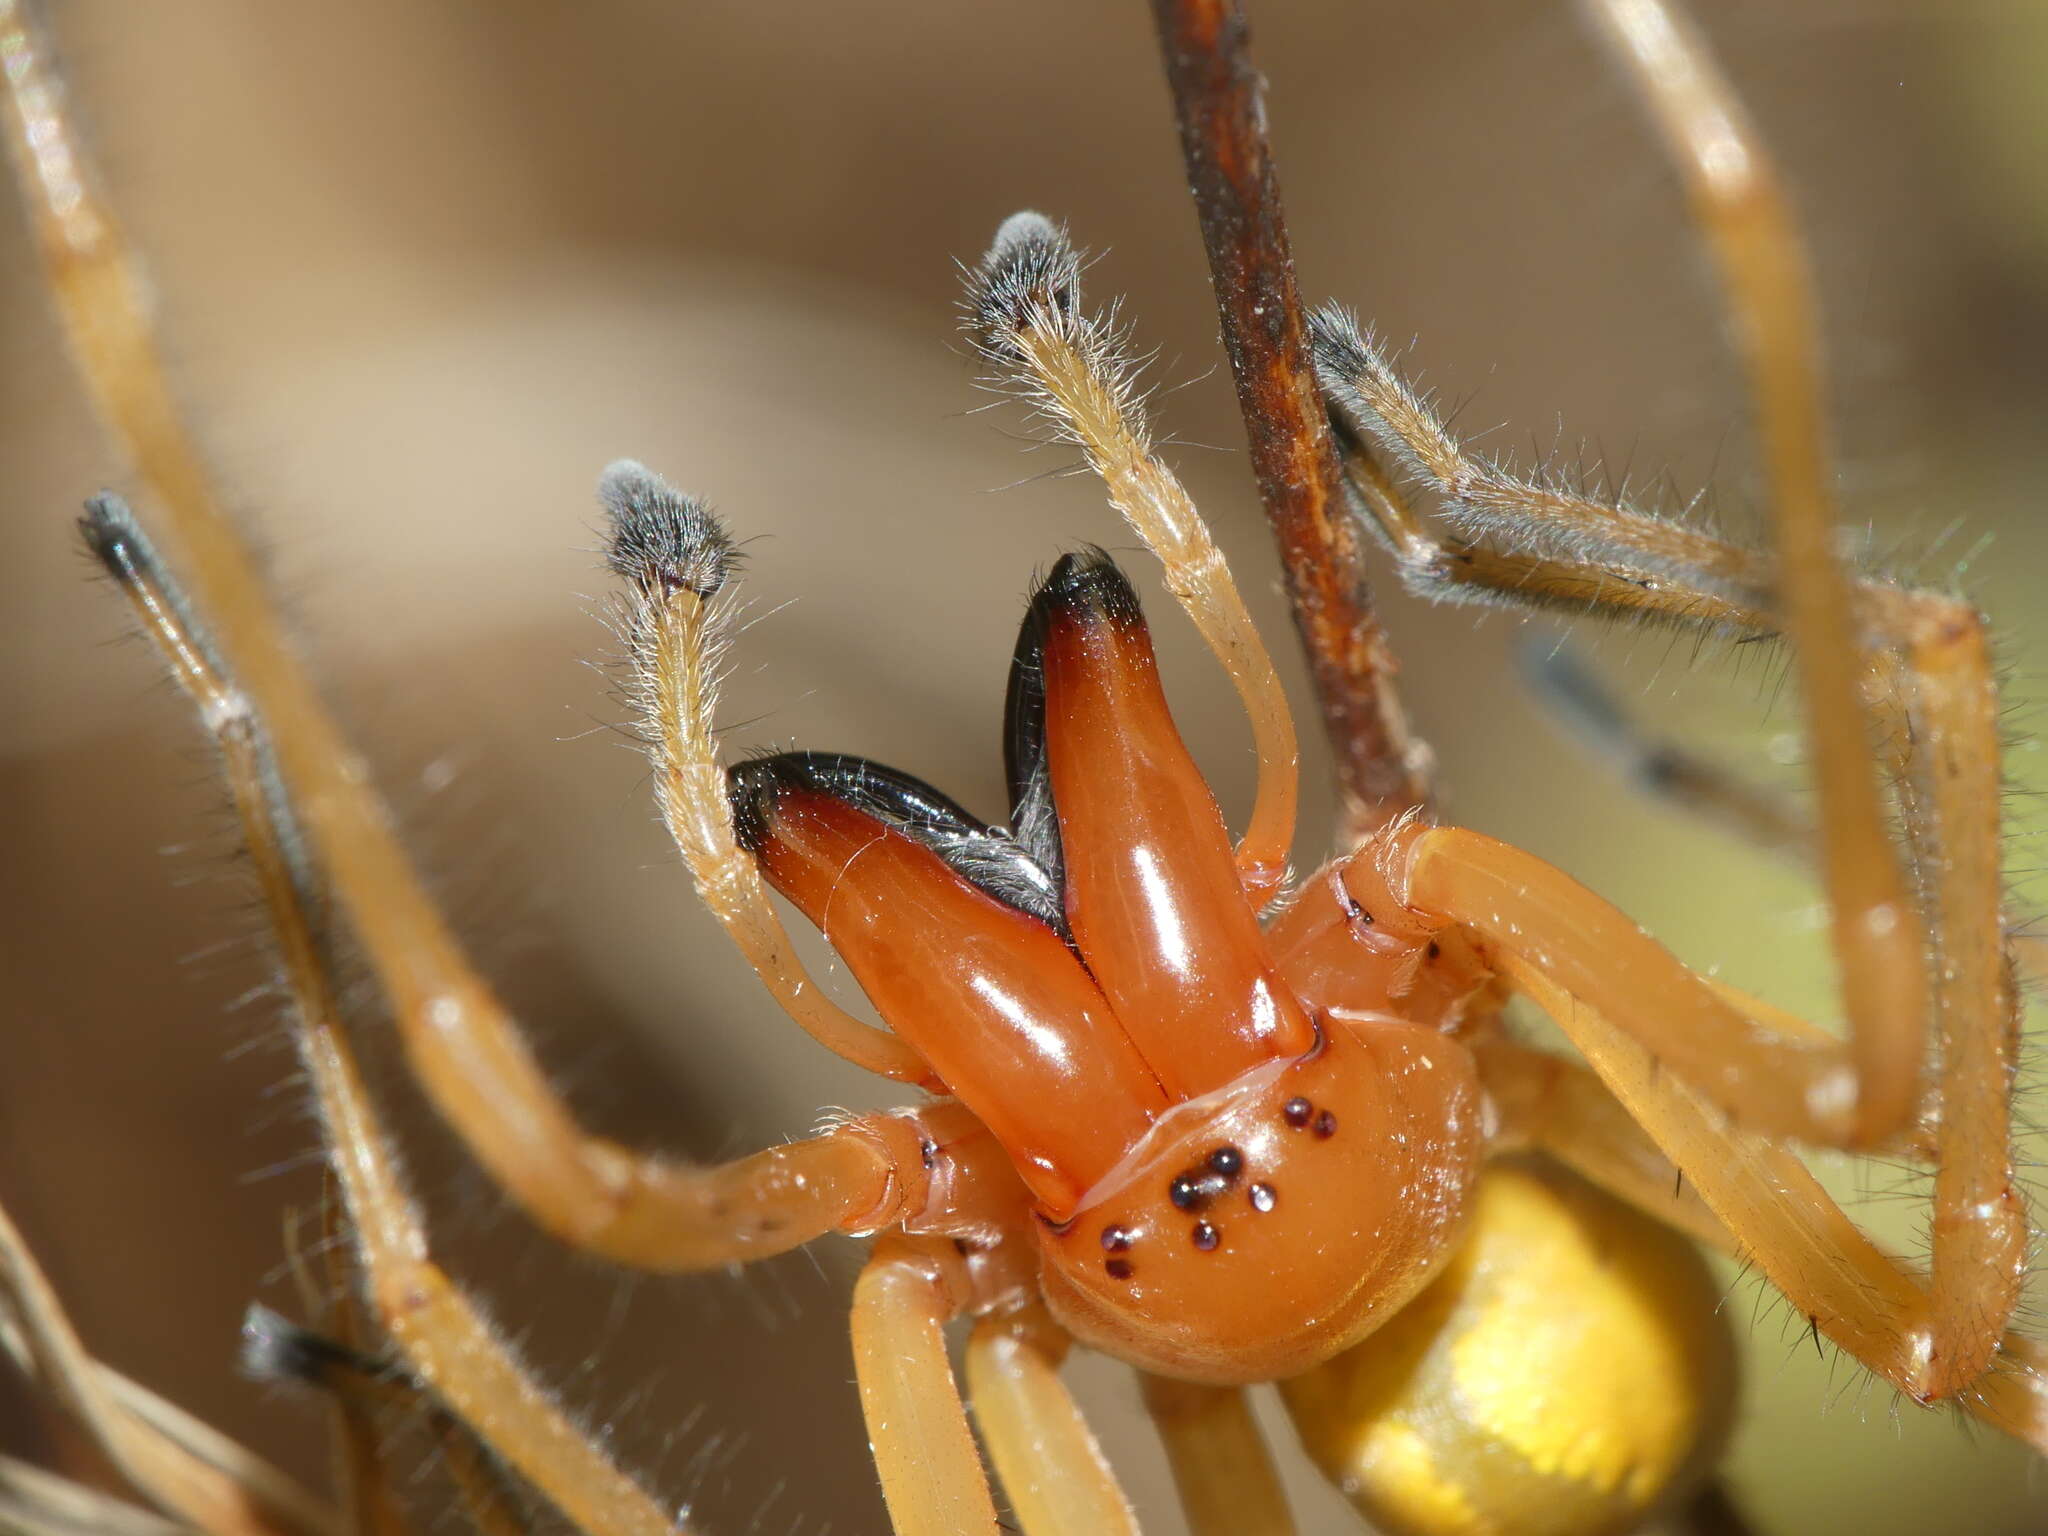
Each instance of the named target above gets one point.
<point>1228,1182</point>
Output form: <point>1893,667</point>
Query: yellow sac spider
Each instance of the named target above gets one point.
<point>1118,1050</point>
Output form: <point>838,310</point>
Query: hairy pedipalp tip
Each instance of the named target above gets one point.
<point>1334,338</point>
<point>660,539</point>
<point>276,1349</point>
<point>1030,277</point>
<point>1025,229</point>
<point>113,535</point>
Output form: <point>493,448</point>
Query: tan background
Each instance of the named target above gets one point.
<point>425,269</point>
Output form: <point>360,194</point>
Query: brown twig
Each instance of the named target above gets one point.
<point>1382,770</point>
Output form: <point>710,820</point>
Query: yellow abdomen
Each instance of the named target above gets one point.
<point>1569,1372</point>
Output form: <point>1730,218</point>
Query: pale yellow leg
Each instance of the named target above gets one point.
<point>931,1473</point>
<point>1848,1288</point>
<point>1221,1463</point>
<point>461,1042</point>
<point>1057,1479</point>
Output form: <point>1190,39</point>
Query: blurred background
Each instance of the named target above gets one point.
<point>424,270</point>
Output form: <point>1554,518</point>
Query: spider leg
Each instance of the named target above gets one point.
<point>1221,1462</point>
<point>676,557</point>
<point>371,1394</point>
<point>462,1044</point>
<point>1051,1467</point>
<point>1557,942</point>
<point>1779,1216</point>
<point>932,1477</point>
<point>440,1332</point>
<point>1663,769</point>
<point>1880,946</point>
<point>1561,1108</point>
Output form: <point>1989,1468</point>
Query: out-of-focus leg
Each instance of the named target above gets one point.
<point>1879,937</point>
<point>931,1473</point>
<point>1057,1479</point>
<point>1221,1463</point>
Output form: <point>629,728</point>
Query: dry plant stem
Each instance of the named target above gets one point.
<point>37,1502</point>
<point>1051,1467</point>
<point>690,785</point>
<point>462,1044</point>
<point>1737,199</point>
<point>1221,1463</point>
<point>1156,505</point>
<point>924,1452</point>
<point>1382,769</point>
<point>198,1476</point>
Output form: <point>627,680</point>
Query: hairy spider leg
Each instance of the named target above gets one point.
<point>1938,689</point>
<point>440,1333</point>
<point>1051,1467</point>
<point>371,1397</point>
<point>461,1042</point>
<point>1880,946</point>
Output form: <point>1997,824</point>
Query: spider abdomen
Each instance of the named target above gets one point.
<point>1567,1371</point>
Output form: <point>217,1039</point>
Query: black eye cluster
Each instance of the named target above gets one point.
<point>1194,1190</point>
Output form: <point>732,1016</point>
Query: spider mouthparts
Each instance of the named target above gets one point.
<point>1031,277</point>
<point>660,539</point>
